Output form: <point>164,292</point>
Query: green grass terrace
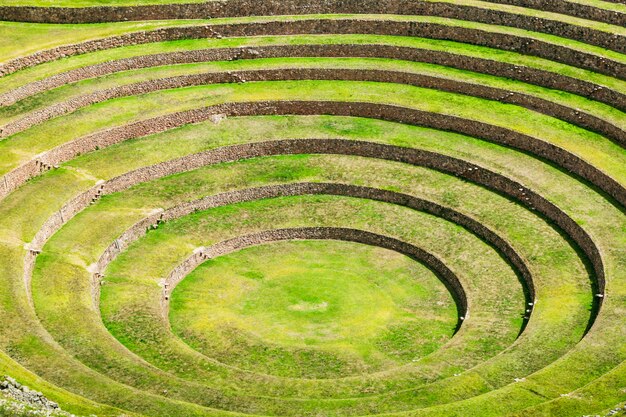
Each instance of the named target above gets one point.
<point>313,209</point>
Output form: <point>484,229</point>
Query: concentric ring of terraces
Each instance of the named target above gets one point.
<point>332,208</point>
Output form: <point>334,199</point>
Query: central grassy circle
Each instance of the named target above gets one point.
<point>315,309</point>
<point>316,303</point>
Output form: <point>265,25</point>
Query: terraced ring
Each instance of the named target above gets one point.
<point>312,208</point>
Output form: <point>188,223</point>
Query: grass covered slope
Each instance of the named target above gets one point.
<point>316,298</point>
<point>408,215</point>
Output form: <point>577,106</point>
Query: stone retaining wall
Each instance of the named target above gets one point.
<point>386,112</point>
<point>231,8</point>
<point>140,228</point>
<point>583,11</point>
<point>445,275</point>
<point>449,165</point>
<point>571,115</point>
<point>520,44</point>
<point>10,388</point>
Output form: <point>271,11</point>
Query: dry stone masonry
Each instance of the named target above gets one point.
<point>565,46</point>
<point>29,402</point>
<point>574,116</point>
<point>346,26</point>
<point>447,277</point>
<point>232,8</point>
<point>462,169</point>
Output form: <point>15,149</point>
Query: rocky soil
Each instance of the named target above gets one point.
<point>19,400</point>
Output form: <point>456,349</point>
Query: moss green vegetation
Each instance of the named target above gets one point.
<point>358,126</point>
<point>590,146</point>
<point>308,327</point>
<point>135,338</point>
<point>65,64</point>
<point>145,195</point>
<point>313,309</point>
<point>480,4</point>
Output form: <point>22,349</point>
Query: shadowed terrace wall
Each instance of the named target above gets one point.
<point>521,44</point>
<point>392,113</point>
<point>445,275</point>
<point>462,169</point>
<point>140,228</point>
<point>231,8</point>
<point>584,11</point>
<point>568,114</point>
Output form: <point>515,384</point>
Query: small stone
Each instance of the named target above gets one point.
<point>217,118</point>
